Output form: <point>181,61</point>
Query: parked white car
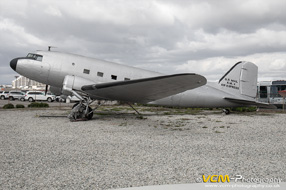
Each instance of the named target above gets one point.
<point>13,95</point>
<point>72,99</point>
<point>67,99</point>
<point>4,95</point>
<point>38,95</point>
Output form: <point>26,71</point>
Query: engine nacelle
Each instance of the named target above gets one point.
<point>75,83</point>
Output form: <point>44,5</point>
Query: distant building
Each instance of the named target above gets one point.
<point>6,86</point>
<point>268,92</point>
<point>25,83</point>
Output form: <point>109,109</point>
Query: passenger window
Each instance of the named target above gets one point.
<point>126,78</point>
<point>113,77</point>
<point>100,74</point>
<point>86,71</point>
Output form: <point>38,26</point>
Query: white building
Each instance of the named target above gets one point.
<point>22,82</point>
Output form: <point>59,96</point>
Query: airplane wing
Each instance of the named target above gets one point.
<point>146,89</point>
<point>249,103</point>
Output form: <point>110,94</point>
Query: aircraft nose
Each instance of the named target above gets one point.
<point>13,63</point>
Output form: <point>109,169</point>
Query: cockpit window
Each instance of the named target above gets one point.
<point>35,56</point>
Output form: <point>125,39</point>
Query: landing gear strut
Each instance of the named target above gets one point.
<point>133,108</point>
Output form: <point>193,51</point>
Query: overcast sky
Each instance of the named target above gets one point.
<point>169,36</point>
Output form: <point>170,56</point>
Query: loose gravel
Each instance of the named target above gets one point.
<point>117,151</point>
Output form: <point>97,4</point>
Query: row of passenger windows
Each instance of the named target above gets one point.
<point>100,74</point>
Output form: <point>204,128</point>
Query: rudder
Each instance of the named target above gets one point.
<point>241,79</point>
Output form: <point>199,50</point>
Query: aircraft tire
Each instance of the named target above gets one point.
<point>226,111</point>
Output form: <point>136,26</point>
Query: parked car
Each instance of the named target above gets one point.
<point>38,95</point>
<point>4,95</point>
<point>67,99</point>
<point>60,99</point>
<point>13,95</point>
<point>72,99</point>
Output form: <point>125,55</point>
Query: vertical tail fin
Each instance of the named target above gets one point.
<point>241,79</point>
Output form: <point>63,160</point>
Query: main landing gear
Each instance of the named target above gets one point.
<point>81,112</point>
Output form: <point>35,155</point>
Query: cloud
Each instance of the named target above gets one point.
<point>51,10</point>
<point>16,34</point>
<point>271,66</point>
<point>161,35</point>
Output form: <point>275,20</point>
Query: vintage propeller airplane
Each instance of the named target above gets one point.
<point>91,79</point>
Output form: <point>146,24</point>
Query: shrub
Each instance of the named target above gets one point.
<point>20,106</point>
<point>38,105</point>
<point>8,106</point>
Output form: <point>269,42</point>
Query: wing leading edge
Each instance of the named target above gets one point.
<point>146,89</point>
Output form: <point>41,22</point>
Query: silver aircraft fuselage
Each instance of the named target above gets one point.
<point>50,68</point>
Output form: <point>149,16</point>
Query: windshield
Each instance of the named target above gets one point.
<point>35,56</point>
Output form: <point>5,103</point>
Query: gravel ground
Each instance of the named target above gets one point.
<point>116,151</point>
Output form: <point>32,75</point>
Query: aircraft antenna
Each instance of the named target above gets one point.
<point>49,47</point>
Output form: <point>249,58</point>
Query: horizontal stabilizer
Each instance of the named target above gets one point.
<point>249,103</point>
<point>146,89</point>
